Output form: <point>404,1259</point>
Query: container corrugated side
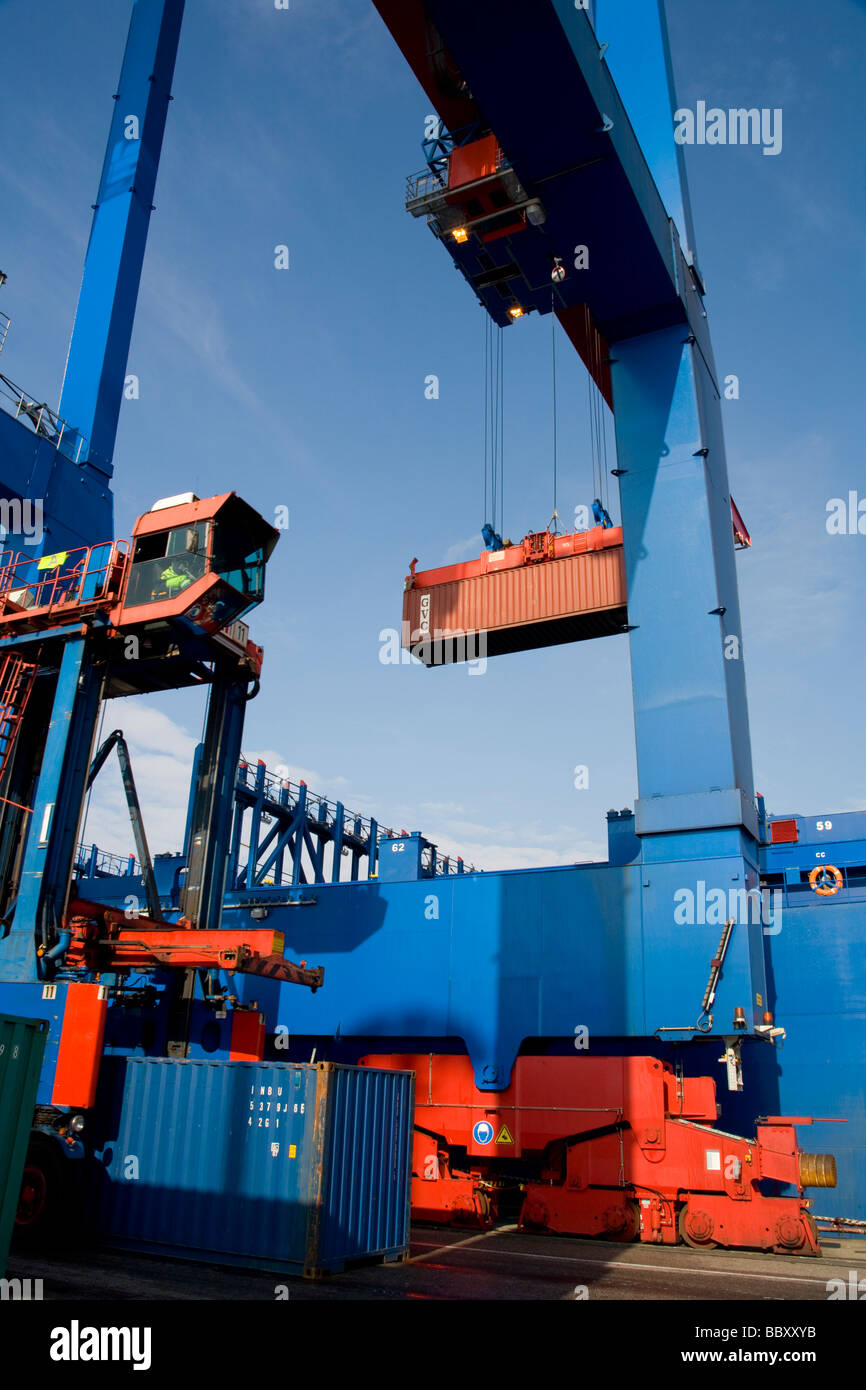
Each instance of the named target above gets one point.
<point>273,1165</point>
<point>366,1200</point>
<point>22,1043</point>
<point>567,599</point>
<point>193,1168</point>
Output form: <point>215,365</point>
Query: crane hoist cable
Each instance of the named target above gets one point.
<point>500,427</point>
<point>501,430</point>
<point>593,437</point>
<point>499,424</point>
<point>600,418</point>
<point>597,422</point>
<point>486,414</point>
<point>590,406</point>
<point>553,526</point>
<point>494,426</point>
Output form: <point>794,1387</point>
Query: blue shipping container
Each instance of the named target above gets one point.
<point>296,1168</point>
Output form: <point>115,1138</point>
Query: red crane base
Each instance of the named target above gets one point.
<point>618,1147</point>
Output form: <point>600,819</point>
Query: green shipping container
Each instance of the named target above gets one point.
<point>22,1043</point>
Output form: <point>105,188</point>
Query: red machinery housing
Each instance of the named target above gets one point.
<point>478,193</point>
<point>195,565</point>
<point>202,562</point>
<point>624,1148</point>
<point>483,190</point>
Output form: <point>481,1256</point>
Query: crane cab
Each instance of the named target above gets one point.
<point>197,563</point>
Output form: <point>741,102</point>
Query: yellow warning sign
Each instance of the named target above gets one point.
<point>52,562</point>
<point>504,1136</point>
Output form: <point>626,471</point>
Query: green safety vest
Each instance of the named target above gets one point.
<point>174,581</point>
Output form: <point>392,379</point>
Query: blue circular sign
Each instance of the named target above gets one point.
<point>482,1132</point>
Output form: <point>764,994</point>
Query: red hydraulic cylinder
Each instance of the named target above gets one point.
<point>103,939</point>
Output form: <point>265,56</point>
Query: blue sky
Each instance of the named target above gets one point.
<point>305,388</point>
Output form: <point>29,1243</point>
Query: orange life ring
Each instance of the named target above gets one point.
<point>826,879</point>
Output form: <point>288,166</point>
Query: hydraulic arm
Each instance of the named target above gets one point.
<point>103,939</point>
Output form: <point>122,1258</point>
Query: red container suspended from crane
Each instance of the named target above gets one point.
<point>546,590</point>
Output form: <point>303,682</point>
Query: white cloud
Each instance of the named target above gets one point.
<point>501,847</point>
<point>493,854</point>
<point>316,781</point>
<point>442,808</point>
<point>161,752</point>
<point>195,318</point>
<point>461,550</point>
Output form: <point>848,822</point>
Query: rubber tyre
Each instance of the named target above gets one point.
<point>48,1203</point>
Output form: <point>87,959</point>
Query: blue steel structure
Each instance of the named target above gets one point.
<point>628,970</point>
<point>65,460</point>
<point>82,624</point>
<point>494,964</point>
<point>283,835</point>
<point>68,471</point>
<point>96,364</point>
<point>569,975</point>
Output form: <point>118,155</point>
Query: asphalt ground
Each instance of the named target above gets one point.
<point>453,1265</point>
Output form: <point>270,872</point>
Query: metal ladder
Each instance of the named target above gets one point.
<point>16,682</point>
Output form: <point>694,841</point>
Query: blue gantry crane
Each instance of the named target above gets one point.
<point>84,619</point>
<point>567,168</point>
<point>65,458</point>
<point>660,963</point>
<point>536,158</point>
